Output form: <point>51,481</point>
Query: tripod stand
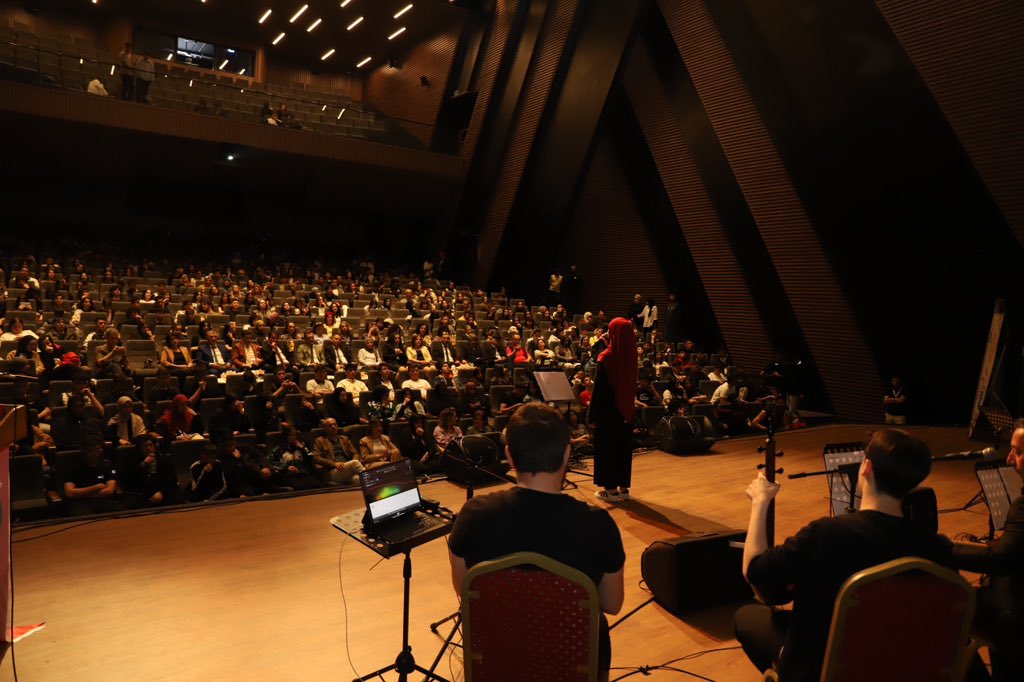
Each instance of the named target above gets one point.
<point>404,663</point>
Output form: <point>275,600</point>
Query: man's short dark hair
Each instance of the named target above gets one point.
<point>900,461</point>
<point>91,440</point>
<point>537,437</point>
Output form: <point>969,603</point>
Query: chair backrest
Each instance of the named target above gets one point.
<point>526,616</point>
<point>907,619</point>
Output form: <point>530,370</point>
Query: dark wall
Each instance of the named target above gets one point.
<point>397,91</point>
<point>842,177</point>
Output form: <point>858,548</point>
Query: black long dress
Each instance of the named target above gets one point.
<point>613,436</point>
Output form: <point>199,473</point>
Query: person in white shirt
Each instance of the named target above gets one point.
<point>649,316</point>
<point>369,357</point>
<point>721,393</point>
<point>352,383</point>
<point>319,386</point>
<point>415,381</point>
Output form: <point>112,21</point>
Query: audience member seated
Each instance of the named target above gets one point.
<point>409,405</point>
<point>179,422</point>
<point>319,387</point>
<point>275,354</point>
<point>96,87</point>
<point>418,355</point>
<point>447,429</point>
<point>375,448</point>
<point>125,426</point>
<point>246,353</point>
<point>442,398</point>
<point>244,474</point>
<point>415,447</point>
<point>214,354</point>
<point>229,419</point>
<point>336,459</point>
<point>292,462</point>
<point>91,487</point>
<point>174,356</point>
<point>369,357</point>
<point>352,383</point>
<point>208,480</point>
<point>416,382</point>
<point>342,408</point>
<point>111,357</point>
<point>308,354</point>
<point>147,478</point>
<point>70,429</point>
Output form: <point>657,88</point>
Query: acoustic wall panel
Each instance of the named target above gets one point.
<point>832,335</point>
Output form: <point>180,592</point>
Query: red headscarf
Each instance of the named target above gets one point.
<point>619,361</point>
<point>178,417</point>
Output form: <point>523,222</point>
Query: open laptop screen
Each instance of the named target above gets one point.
<point>390,491</point>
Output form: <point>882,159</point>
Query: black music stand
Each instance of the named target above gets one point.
<point>352,525</point>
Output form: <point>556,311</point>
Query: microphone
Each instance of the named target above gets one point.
<point>987,453</point>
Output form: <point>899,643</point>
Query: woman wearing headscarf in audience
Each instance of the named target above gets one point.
<point>179,421</point>
<point>611,412</point>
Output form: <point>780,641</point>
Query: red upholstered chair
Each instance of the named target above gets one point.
<point>528,617</point>
<point>906,620</point>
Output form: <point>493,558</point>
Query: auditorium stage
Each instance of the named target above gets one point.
<point>251,590</point>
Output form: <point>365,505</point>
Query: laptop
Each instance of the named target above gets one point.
<point>394,509</point>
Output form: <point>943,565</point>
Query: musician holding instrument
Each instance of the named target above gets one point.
<point>999,617</point>
<point>810,567</point>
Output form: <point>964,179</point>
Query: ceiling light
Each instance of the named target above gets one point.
<point>327,54</point>
<point>265,15</point>
<point>344,3</point>
<point>81,61</point>
<point>340,113</point>
<point>403,10</point>
<point>242,72</point>
<point>298,14</point>
<point>222,65</point>
<point>112,67</point>
<point>396,33</point>
<point>313,25</point>
<point>170,57</point>
<point>363,63</point>
<point>95,2</point>
<point>355,23</point>
<point>190,83</point>
<point>278,39</point>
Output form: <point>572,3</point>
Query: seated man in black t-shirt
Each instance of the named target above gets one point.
<point>810,567</point>
<point>92,486</point>
<point>536,517</point>
<point>146,478</point>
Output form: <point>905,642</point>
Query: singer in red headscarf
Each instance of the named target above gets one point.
<point>611,412</point>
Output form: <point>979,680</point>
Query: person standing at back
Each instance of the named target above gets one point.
<point>126,63</point>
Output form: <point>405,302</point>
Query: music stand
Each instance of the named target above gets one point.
<point>999,486</point>
<point>351,524</point>
<point>841,462</point>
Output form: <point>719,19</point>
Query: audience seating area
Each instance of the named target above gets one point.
<point>60,61</point>
<point>68,306</point>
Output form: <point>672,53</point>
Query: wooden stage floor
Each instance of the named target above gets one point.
<point>253,590</point>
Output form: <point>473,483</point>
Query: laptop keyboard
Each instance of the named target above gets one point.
<point>405,528</point>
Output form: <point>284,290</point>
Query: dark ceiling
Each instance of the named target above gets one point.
<point>237,21</point>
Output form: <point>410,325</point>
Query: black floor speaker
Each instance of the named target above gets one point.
<point>677,435</point>
<point>696,571</point>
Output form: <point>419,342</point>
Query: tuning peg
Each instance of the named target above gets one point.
<point>779,470</point>
<point>760,448</point>
<point>760,466</point>
<point>780,453</point>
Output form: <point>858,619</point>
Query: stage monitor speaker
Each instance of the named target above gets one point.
<point>463,459</point>
<point>677,435</point>
<point>696,571</point>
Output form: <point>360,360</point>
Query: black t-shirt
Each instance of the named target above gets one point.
<point>558,526</point>
<point>815,563</point>
<point>84,475</point>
